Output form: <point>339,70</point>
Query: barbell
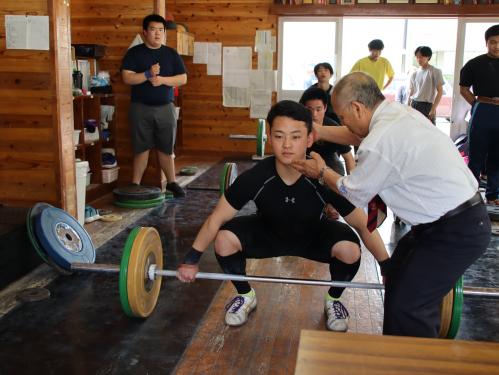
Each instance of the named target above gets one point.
<point>65,245</point>
<point>260,137</point>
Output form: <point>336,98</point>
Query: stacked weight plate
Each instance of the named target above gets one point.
<point>138,196</point>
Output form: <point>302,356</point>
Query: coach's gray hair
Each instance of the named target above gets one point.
<point>359,87</point>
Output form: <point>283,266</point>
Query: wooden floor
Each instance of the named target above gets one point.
<point>268,342</point>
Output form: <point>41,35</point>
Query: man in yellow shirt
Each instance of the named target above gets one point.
<point>376,66</point>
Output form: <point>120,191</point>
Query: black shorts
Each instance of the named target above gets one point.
<point>152,127</point>
<point>258,242</point>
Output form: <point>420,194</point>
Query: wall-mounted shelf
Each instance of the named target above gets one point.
<point>182,41</point>
<point>89,107</point>
<point>386,10</point>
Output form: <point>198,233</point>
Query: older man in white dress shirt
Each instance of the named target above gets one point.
<point>419,174</point>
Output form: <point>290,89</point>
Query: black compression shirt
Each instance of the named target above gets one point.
<point>289,211</point>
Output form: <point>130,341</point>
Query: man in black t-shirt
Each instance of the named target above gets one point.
<point>324,72</point>
<point>482,73</point>
<point>315,100</point>
<point>153,69</point>
<point>289,220</point>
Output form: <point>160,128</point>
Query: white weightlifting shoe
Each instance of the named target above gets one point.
<point>239,308</point>
<point>337,316</point>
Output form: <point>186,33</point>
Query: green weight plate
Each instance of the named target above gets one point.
<point>261,137</point>
<point>138,205</point>
<point>227,177</point>
<point>223,177</point>
<point>123,279</point>
<point>30,217</point>
<point>188,171</point>
<point>159,199</point>
<point>457,309</point>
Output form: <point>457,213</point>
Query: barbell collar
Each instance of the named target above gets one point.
<point>482,292</point>
<point>95,267</point>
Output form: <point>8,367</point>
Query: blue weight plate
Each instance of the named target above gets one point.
<point>30,225</point>
<point>63,238</point>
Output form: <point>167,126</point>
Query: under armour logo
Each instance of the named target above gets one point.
<point>287,200</point>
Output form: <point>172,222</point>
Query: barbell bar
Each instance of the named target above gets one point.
<point>152,272</point>
<point>65,245</point>
<point>260,137</point>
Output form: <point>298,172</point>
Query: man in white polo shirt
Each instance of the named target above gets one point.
<point>419,174</point>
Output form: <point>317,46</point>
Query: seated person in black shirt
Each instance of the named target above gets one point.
<point>289,220</point>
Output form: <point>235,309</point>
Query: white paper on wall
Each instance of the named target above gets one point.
<point>236,71</point>
<point>263,40</point>
<point>200,53</point>
<point>27,32</point>
<point>263,80</point>
<point>261,102</point>
<point>237,78</point>
<point>214,67</point>
<point>265,59</point>
<point>237,58</point>
<point>236,97</point>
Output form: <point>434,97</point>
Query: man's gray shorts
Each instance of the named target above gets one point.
<point>152,127</point>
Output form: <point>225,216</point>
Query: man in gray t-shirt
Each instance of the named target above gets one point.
<point>425,90</point>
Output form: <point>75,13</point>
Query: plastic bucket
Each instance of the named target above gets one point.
<point>81,185</point>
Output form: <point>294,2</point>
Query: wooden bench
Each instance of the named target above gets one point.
<point>322,352</point>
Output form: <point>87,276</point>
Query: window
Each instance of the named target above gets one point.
<point>305,42</point>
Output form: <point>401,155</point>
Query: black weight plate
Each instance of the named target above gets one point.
<point>493,212</point>
<point>136,192</point>
<point>30,226</point>
<point>63,238</point>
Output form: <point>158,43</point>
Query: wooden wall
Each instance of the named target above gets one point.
<point>206,123</point>
<point>32,119</point>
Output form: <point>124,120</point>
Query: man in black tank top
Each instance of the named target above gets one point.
<point>289,220</point>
